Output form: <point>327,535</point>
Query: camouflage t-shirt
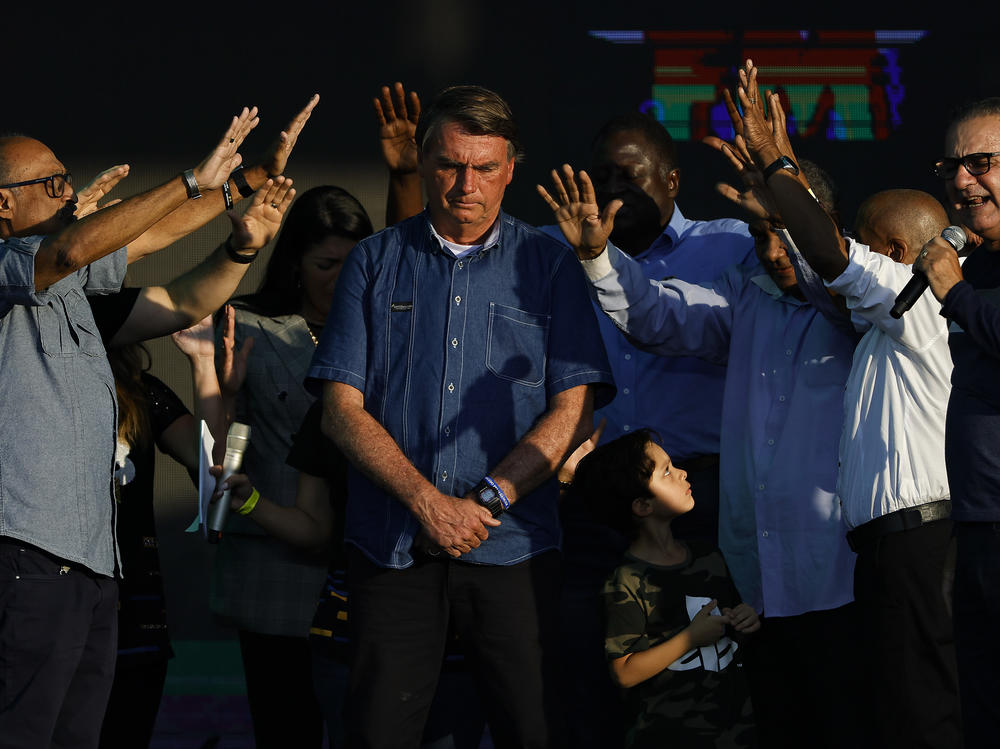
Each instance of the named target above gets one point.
<point>700,700</point>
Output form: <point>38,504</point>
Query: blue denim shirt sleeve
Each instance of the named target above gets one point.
<point>105,275</point>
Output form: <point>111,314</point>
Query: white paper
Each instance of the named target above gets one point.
<point>206,481</point>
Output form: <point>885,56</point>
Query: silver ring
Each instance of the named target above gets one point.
<point>923,254</point>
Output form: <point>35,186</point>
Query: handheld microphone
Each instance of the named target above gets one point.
<point>236,445</point>
<point>916,286</point>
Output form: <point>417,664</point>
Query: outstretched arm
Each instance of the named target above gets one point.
<point>397,114</point>
<point>583,224</point>
<point>196,213</point>
<point>160,310</point>
<point>815,233</point>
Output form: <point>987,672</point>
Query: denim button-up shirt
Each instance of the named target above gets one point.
<point>679,396</point>
<point>57,395</point>
<point>780,526</point>
<point>457,359</point>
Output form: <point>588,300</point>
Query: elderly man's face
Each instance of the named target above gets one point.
<point>975,200</point>
<point>31,209</point>
<point>773,255</point>
<point>465,177</point>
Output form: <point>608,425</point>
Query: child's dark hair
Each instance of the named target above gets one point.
<point>613,475</point>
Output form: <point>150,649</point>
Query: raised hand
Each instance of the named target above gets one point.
<point>215,168</point>
<point>276,158</point>
<point>260,222</point>
<point>198,341</point>
<point>397,127</point>
<point>584,225</point>
<point>234,363</point>
<point>757,133</point>
<point>568,469</point>
<point>86,199</point>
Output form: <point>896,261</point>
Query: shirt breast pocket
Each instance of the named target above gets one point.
<point>516,341</point>
<point>66,326</point>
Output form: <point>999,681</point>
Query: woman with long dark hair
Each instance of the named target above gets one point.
<point>264,586</point>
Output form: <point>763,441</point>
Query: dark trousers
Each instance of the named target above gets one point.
<point>506,619</point>
<point>805,684</point>
<point>283,706</point>
<point>58,634</point>
<point>132,709</point>
<point>910,658</point>
<point>977,610</point>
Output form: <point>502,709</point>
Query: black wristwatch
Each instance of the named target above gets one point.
<point>491,496</point>
<point>190,183</point>
<point>782,162</point>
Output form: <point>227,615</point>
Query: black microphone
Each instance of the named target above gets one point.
<point>236,445</point>
<point>916,286</point>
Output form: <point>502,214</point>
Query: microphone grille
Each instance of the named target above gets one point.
<point>954,236</point>
<point>238,435</point>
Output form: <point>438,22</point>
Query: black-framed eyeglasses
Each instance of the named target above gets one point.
<point>55,184</point>
<point>974,163</point>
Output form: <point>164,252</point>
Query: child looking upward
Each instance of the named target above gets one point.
<point>669,605</point>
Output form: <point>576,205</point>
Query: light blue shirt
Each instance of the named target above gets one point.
<point>780,525</point>
<point>680,397</point>
<point>57,395</point>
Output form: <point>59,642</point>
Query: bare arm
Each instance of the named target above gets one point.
<point>160,310</point>
<point>397,113</point>
<point>457,525</point>
<point>540,453</point>
<point>635,668</point>
<point>309,524</point>
<point>105,231</point>
<point>196,213</point>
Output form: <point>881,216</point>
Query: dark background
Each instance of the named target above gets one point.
<point>155,86</point>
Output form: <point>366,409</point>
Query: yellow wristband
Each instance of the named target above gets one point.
<point>251,502</point>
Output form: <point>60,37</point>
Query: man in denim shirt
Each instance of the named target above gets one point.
<point>58,596</point>
<point>461,365</point>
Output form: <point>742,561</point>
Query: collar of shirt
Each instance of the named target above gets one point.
<point>672,234</point>
<point>459,250</point>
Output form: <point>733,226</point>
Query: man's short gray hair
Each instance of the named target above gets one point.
<point>477,110</point>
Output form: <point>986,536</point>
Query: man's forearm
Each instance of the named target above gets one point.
<point>372,450</point>
<point>541,451</point>
<point>103,232</point>
<point>190,216</point>
<point>814,232</point>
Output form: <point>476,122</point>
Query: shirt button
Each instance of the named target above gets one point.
<point>781,398</point>
<point>444,474</point>
<point>460,265</point>
<point>788,352</point>
<point>625,391</point>
<point>628,356</point>
<point>454,342</point>
<point>770,442</point>
<point>458,300</point>
<point>764,534</point>
<point>760,486</point>
<point>626,428</point>
<point>447,431</point>
<point>451,387</point>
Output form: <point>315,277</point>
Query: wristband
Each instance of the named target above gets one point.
<point>491,496</point>
<point>190,183</point>
<point>227,195</point>
<point>237,257</point>
<point>251,502</point>
<point>782,162</point>
<point>242,186</point>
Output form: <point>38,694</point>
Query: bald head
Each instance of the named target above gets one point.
<point>17,153</point>
<point>898,223</point>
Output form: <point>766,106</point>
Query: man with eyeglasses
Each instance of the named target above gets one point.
<point>970,297</point>
<point>58,558</point>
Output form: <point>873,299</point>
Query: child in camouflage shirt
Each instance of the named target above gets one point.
<point>669,605</point>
